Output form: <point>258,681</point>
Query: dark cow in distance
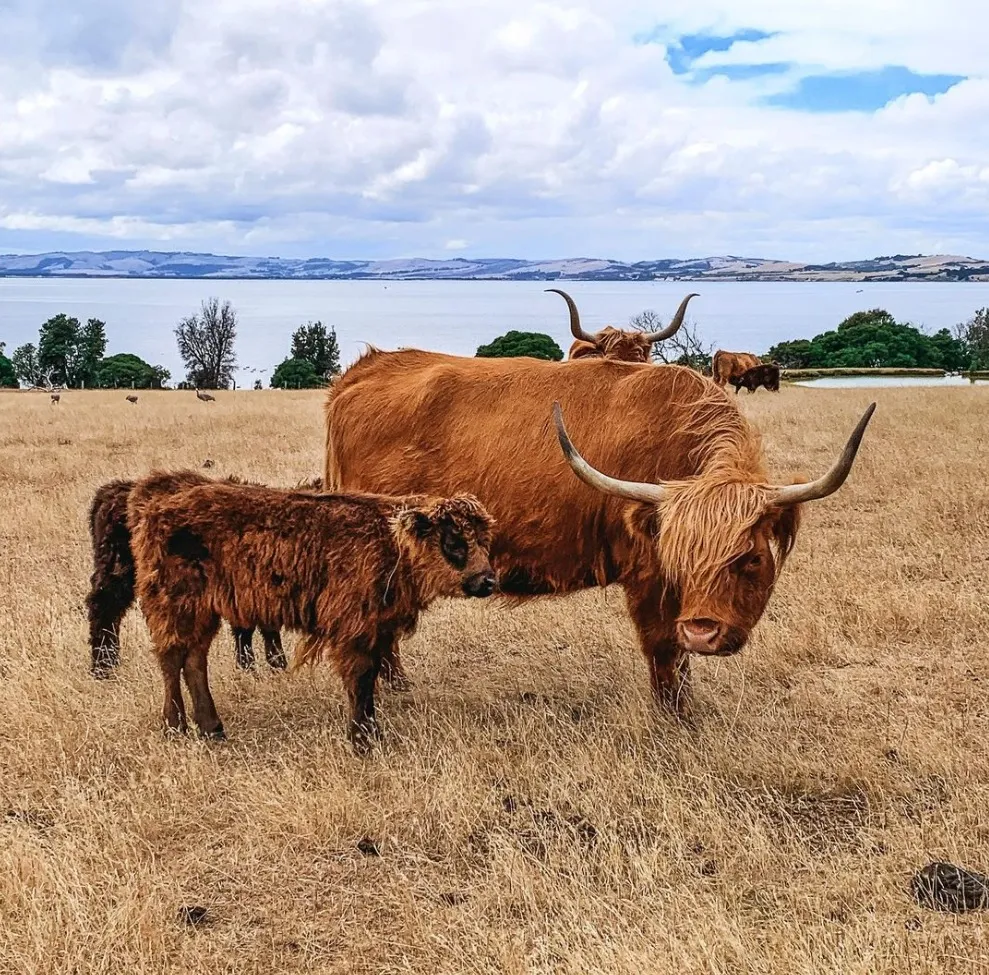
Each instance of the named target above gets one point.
<point>726,366</point>
<point>766,374</point>
<point>111,590</point>
<point>690,525</point>
<point>616,343</point>
<point>351,572</point>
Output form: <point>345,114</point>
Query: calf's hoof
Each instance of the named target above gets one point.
<point>363,736</point>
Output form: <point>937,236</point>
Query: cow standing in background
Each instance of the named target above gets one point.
<point>766,374</point>
<point>690,525</point>
<point>615,343</point>
<point>352,572</point>
<point>726,366</point>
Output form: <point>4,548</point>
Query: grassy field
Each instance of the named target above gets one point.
<point>531,811</point>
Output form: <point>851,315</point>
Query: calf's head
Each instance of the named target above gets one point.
<point>721,539</point>
<point>448,541</point>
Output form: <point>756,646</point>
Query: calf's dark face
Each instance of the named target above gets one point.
<point>457,536</point>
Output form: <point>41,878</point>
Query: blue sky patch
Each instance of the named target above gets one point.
<point>860,91</point>
<point>686,49</point>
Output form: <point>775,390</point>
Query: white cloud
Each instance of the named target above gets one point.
<point>527,129</point>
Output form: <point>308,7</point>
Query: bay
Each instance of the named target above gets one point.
<point>457,316</point>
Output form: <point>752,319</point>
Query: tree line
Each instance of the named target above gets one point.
<point>72,355</point>
<point>866,339</point>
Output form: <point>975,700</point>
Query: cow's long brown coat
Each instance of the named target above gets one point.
<point>697,569</point>
<point>352,572</point>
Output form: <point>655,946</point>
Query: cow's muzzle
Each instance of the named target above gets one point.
<point>709,637</point>
<point>482,584</point>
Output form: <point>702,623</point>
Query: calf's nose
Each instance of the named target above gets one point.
<point>480,585</point>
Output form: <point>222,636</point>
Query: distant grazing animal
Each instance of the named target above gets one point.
<point>131,398</point>
<point>112,582</point>
<point>767,374</point>
<point>205,397</point>
<point>56,398</point>
<point>615,343</point>
<point>694,531</point>
<point>726,366</point>
<point>352,572</point>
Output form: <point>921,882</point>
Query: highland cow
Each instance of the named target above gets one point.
<point>351,572</point>
<point>112,582</point>
<point>727,366</point>
<point>767,374</point>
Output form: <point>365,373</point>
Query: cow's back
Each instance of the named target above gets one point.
<point>410,421</point>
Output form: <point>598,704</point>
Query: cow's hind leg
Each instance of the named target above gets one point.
<point>111,595</point>
<point>358,664</point>
<point>194,668</point>
<point>273,649</point>
<point>243,646</point>
<point>654,614</point>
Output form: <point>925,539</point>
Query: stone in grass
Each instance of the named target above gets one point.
<point>945,887</point>
<point>368,847</point>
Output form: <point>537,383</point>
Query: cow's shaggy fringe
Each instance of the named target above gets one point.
<point>706,521</point>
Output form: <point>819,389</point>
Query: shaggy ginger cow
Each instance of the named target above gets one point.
<point>726,367</point>
<point>616,343</point>
<point>352,572</point>
<point>111,591</point>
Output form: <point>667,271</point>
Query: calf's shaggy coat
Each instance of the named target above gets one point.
<point>352,572</point>
<point>111,591</point>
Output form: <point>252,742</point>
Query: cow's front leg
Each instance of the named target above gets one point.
<point>358,664</point>
<point>392,672</point>
<point>654,614</point>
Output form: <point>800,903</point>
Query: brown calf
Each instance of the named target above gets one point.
<point>111,591</point>
<point>767,374</point>
<point>352,572</point>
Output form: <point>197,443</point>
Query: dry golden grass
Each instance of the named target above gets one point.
<point>532,811</point>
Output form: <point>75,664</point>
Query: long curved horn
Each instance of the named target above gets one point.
<point>830,482</point>
<point>578,332</point>
<point>634,490</point>
<point>665,333</point>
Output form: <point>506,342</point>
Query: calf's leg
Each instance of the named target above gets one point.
<point>173,709</point>
<point>110,596</point>
<point>194,669</point>
<point>273,649</point>
<point>358,664</point>
<point>243,650</point>
<point>392,671</point>
<point>654,614</point>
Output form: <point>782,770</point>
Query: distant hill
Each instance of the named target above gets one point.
<point>160,264</point>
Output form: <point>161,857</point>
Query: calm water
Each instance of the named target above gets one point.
<point>456,316</point>
<point>857,382</point>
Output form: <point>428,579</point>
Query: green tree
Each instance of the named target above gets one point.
<point>536,345</point>
<point>8,374</point>
<point>126,370</point>
<point>206,344</point>
<point>317,344</point>
<point>25,360</point>
<point>974,335</point>
<point>296,374</point>
<point>872,339</point>
<point>68,353</point>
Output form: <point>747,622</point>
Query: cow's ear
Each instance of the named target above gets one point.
<point>416,522</point>
<point>642,520</point>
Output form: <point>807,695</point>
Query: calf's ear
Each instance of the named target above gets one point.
<point>641,520</point>
<point>416,522</point>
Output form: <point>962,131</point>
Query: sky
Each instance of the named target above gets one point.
<point>832,130</point>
